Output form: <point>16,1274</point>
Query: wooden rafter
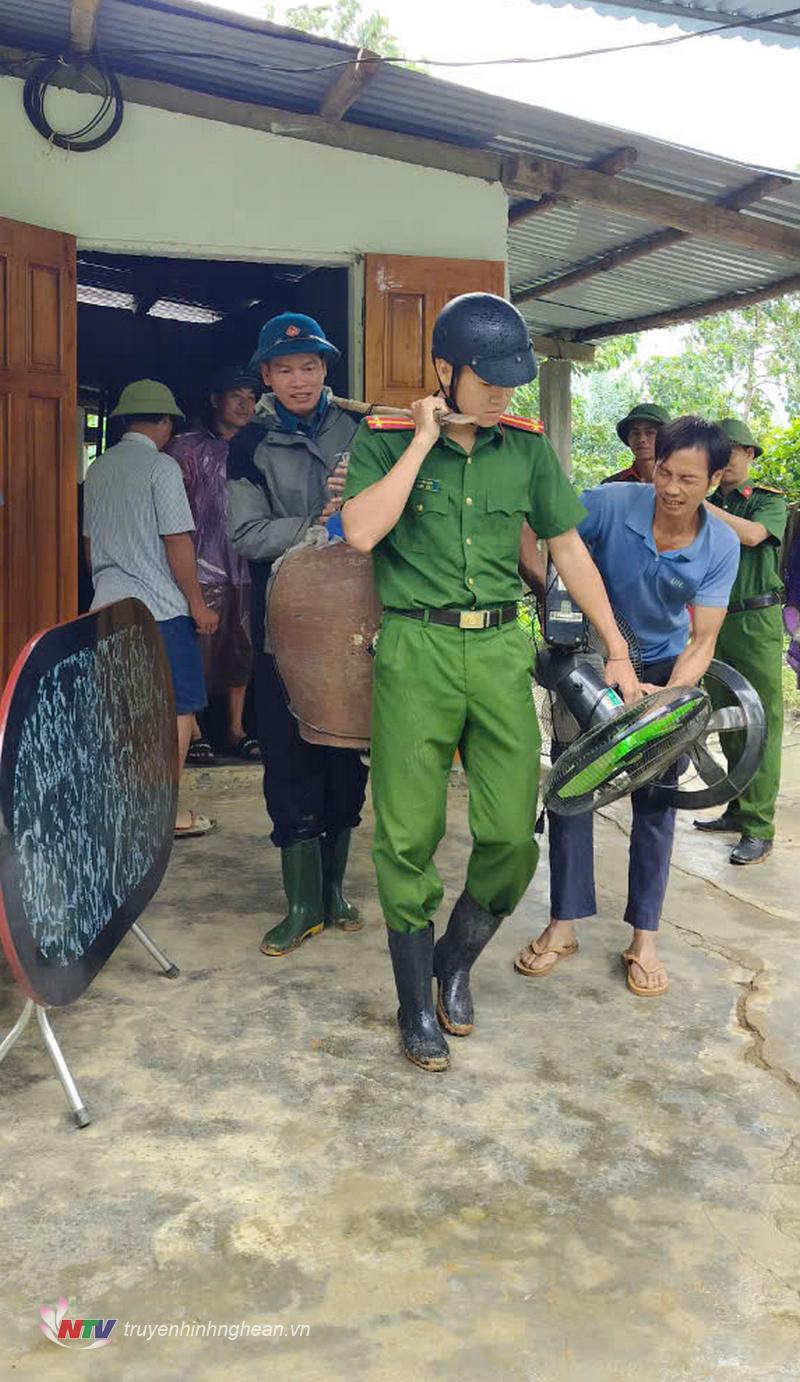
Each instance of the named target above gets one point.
<point>349,84</point>
<point>83,24</point>
<point>647,244</point>
<point>530,176</point>
<point>731,302</point>
<point>557,348</point>
<point>612,164</point>
<point>521,177</point>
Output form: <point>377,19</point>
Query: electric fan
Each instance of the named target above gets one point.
<point>620,748</point>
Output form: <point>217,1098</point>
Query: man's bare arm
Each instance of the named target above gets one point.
<point>693,661</point>
<point>577,570</point>
<point>183,565</point>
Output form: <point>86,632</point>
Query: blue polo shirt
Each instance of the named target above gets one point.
<point>651,589</point>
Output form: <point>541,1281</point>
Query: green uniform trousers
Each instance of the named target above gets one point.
<point>438,689</point>
<point>752,642</point>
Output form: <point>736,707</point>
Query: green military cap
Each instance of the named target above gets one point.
<point>147,396</point>
<point>641,412</point>
<point>739,434</point>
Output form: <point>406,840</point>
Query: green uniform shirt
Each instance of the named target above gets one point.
<point>456,544</point>
<point>758,572</point>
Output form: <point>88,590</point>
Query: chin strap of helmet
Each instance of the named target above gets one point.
<point>449,395</point>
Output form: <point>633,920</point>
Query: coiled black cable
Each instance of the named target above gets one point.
<point>106,120</point>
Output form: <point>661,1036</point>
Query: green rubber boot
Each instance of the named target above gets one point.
<point>301,864</point>
<point>338,911</point>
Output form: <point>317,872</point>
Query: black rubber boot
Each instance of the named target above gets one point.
<point>469,929</point>
<point>412,960</point>
<point>339,912</point>
<point>751,851</point>
<point>301,864</point>
<point>724,824</point>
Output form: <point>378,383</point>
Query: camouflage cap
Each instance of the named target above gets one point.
<point>641,412</point>
<point>739,434</point>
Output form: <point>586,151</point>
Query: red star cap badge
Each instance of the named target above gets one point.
<point>293,330</point>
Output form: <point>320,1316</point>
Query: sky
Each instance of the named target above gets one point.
<point>729,96</point>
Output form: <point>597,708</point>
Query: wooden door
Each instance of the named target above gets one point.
<point>403,295</point>
<point>38,461</point>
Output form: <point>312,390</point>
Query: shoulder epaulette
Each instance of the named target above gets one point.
<point>524,424</point>
<point>377,423</point>
<point>770,489</point>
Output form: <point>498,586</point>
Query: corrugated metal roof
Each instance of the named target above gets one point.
<point>752,18</point>
<point>214,51</point>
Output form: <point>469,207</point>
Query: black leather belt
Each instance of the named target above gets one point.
<point>756,602</point>
<point>462,618</point>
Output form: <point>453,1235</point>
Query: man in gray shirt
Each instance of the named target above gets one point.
<point>137,527</point>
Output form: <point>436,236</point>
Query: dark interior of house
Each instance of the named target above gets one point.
<point>180,320</point>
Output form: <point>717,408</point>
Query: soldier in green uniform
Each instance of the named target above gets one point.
<point>442,506</point>
<point>751,638</point>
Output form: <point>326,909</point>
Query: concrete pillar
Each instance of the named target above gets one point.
<point>555,398</point>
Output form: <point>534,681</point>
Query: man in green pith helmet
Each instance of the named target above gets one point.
<point>442,503</point>
<point>638,431</point>
<point>751,638</point>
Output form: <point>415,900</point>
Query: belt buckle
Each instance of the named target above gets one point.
<point>472,619</point>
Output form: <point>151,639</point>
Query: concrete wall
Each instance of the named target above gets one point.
<point>176,184</point>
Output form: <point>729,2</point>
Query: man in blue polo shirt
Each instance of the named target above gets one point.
<point>658,550</point>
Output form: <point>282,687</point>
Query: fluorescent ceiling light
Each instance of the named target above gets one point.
<point>105,297</point>
<point>184,312</point>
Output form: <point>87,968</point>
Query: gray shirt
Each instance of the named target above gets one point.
<point>278,484</point>
<point>133,496</point>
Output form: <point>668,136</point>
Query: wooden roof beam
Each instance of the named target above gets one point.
<point>525,176</point>
<point>83,24</point>
<point>648,244</point>
<point>521,177</point>
<point>612,164</point>
<point>349,84</point>
<point>731,302</point>
<point>557,348</point>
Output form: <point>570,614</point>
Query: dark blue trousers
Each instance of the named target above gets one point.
<point>572,892</point>
<point>310,789</point>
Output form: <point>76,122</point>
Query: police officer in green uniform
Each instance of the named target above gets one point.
<point>442,506</point>
<point>751,638</point>
<point>638,431</point>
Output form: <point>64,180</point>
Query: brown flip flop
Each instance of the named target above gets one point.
<point>628,959</point>
<point>559,952</point>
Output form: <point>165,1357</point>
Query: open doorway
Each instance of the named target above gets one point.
<point>181,320</point>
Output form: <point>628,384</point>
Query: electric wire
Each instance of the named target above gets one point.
<point>106,120</point>
<point>368,60</point>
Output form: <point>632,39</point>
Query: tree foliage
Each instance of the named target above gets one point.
<point>780,464</point>
<point>346,21</point>
<point>742,364</point>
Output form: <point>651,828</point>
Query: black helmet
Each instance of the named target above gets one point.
<point>488,334</point>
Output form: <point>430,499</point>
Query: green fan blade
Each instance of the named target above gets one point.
<point>598,772</point>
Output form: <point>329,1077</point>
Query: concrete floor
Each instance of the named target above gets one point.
<point>600,1188</point>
